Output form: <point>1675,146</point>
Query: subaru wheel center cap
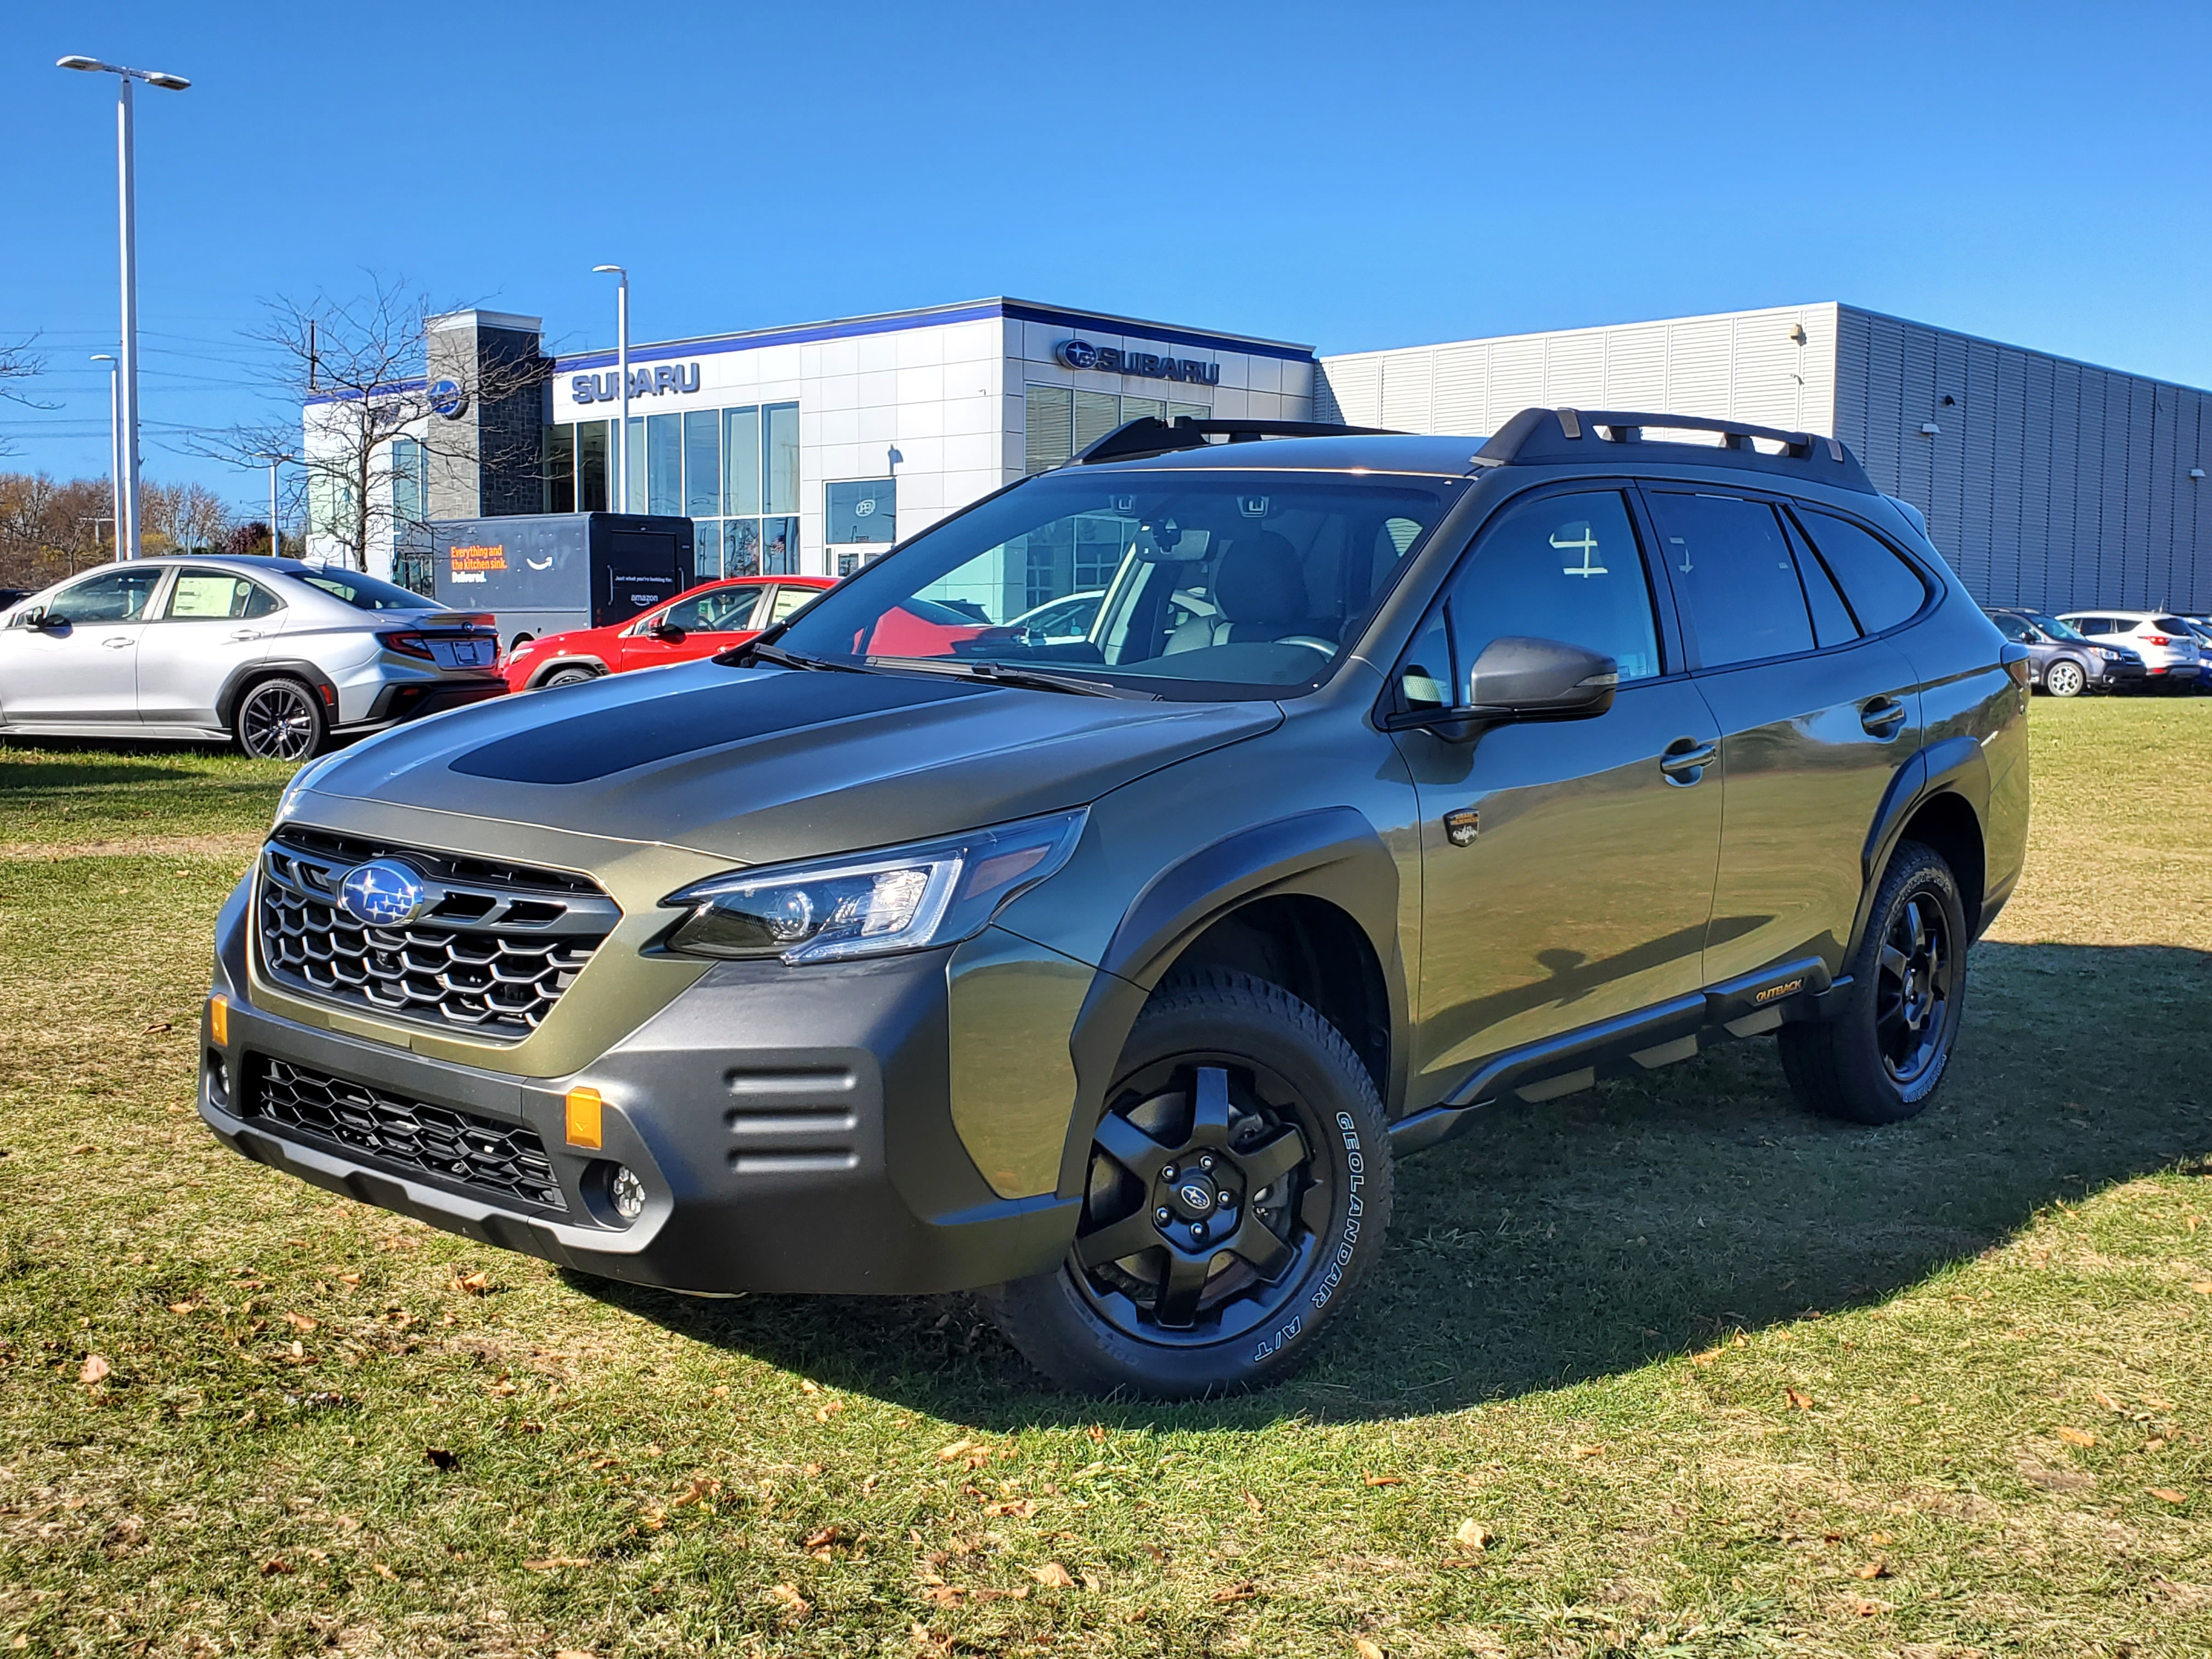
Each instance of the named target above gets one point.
<point>1194,1197</point>
<point>383,893</point>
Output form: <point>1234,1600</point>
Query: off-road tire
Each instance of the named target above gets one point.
<point>1284,1065</point>
<point>279,718</point>
<point>2065,678</point>
<point>1847,1066</point>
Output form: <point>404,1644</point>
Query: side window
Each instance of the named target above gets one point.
<point>216,593</point>
<point>2011,627</point>
<point>725,610</point>
<point>1831,617</point>
<point>1557,568</point>
<point>1732,569</point>
<point>788,600</point>
<point>1884,591</point>
<point>113,596</point>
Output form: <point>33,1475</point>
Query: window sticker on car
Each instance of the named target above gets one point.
<point>1587,542</point>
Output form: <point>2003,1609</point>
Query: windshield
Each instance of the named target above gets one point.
<point>363,593</point>
<point>2050,625</point>
<point>1192,584</point>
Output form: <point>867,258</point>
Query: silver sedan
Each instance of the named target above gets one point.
<point>274,655</point>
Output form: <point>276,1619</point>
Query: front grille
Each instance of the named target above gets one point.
<point>491,950</point>
<point>501,1159</point>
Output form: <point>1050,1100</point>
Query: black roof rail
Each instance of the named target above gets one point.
<point>1536,436</point>
<point>1148,435</point>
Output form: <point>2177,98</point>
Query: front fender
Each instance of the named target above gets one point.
<point>1332,853</point>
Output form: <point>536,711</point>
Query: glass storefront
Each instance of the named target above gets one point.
<point>734,471</point>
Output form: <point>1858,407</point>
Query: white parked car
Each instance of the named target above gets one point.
<point>2168,645</point>
<point>274,655</point>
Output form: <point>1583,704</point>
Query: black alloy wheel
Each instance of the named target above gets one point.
<point>1885,1042</point>
<point>1238,1188</point>
<point>2064,678</point>
<point>280,719</point>
<point>1912,988</point>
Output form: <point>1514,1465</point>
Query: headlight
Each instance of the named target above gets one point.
<point>872,905</point>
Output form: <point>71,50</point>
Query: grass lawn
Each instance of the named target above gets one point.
<point>1668,1368</point>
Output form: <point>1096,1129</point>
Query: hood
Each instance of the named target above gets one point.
<point>762,765</point>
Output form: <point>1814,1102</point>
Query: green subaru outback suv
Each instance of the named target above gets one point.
<point>908,948</point>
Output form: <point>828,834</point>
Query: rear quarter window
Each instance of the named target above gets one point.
<point>1882,588</point>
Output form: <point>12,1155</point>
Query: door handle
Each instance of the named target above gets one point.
<point>1686,759</point>
<point>1883,717</point>
<point>247,633</point>
<point>118,642</point>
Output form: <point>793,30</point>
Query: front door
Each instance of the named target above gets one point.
<point>1815,718</point>
<point>710,621</point>
<point>212,624</point>
<point>83,669</point>
<point>1567,867</point>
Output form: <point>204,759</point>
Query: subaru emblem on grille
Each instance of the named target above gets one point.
<point>384,893</point>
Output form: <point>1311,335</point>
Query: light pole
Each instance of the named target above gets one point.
<point>114,447</point>
<point>126,510</point>
<point>275,530</point>
<point>621,365</point>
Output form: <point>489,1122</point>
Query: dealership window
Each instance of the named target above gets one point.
<point>1062,421</point>
<point>860,510</point>
<point>734,472</point>
<point>410,480</point>
<point>330,502</point>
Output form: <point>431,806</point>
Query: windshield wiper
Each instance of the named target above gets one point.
<point>998,673</point>
<point>755,651</point>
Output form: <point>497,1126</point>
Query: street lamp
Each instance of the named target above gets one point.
<point>114,447</point>
<point>126,509</point>
<point>622,364</point>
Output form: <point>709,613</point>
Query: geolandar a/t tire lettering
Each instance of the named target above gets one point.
<point>1239,1190</point>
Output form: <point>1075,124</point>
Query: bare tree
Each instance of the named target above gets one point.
<point>48,530</point>
<point>186,518</point>
<point>362,368</point>
<point>20,362</point>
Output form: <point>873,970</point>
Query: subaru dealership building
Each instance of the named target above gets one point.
<point>808,448</point>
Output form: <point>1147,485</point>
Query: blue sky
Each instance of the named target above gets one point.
<point>1348,175</point>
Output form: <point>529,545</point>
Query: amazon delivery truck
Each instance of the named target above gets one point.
<point>545,572</point>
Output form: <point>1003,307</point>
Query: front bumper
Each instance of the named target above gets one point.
<point>792,1130</point>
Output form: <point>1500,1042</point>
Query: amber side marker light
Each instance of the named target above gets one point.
<point>219,1020</point>
<point>584,1107</point>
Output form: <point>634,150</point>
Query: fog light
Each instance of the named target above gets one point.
<point>626,1192</point>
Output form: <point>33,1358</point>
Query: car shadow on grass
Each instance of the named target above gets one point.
<point>1591,1235</point>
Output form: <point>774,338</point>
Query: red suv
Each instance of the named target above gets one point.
<point>705,620</point>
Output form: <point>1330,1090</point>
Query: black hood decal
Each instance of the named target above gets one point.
<point>639,732</point>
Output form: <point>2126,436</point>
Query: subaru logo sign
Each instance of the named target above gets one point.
<point>1197,1197</point>
<point>447,398</point>
<point>383,893</point>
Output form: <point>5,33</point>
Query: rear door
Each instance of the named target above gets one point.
<point>1567,868</point>
<point>83,670</point>
<point>212,624</point>
<point>1815,718</point>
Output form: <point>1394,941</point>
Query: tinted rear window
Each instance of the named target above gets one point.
<point>1884,591</point>
<point>1731,566</point>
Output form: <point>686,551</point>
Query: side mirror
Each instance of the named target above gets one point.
<point>45,621</point>
<point>669,632</point>
<point>1518,679</point>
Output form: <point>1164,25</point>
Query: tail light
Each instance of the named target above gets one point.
<point>2156,638</point>
<point>408,645</point>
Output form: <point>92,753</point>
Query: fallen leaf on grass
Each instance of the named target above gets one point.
<point>1875,1568</point>
<point>1867,1609</point>
<point>1243,1592</point>
<point>556,1563</point>
<point>299,1322</point>
<point>790,1600</point>
<point>161,1024</point>
<point>2202,1286</point>
<point>1367,1650</point>
<point>274,1565</point>
<point>1253,1504</point>
<point>476,1284</point>
<point>1586,1451</point>
<point>942,1596</point>
<point>702,1488</point>
<point>1706,1358</point>
<point>824,1413</point>
<point>1021,1509</point>
<point>574,1653</point>
<point>1802,1402</point>
<point>1095,1433</point>
<point>1384,1480</point>
<point>2077,1437</point>
<point>2169,1495</point>
<point>1881,1541</point>
<point>349,1278</point>
<point>820,1538</point>
<point>958,1449</point>
<point>1053,1576</point>
<point>383,1571</point>
<point>402,1241</point>
<point>1473,1537</point>
<point>94,1369</point>
<point>180,1309</point>
<point>2107,1402</point>
<point>439,1457</point>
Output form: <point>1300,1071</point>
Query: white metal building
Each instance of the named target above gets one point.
<point>2046,482</point>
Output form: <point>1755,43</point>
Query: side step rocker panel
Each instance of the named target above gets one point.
<point>1672,1031</point>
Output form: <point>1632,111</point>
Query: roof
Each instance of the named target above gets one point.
<point>1443,457</point>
